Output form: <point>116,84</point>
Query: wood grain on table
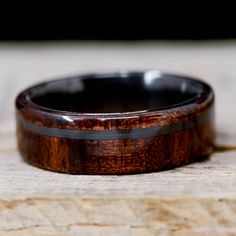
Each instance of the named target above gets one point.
<point>198,199</point>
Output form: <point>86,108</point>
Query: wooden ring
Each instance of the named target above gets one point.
<point>116,123</point>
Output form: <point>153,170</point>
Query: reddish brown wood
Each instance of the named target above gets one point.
<point>188,131</point>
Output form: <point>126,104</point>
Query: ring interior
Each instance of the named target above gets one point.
<point>116,93</point>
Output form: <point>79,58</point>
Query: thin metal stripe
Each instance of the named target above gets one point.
<point>114,134</point>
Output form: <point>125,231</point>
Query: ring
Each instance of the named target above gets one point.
<point>116,123</point>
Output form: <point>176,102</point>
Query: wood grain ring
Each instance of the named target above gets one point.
<point>116,123</point>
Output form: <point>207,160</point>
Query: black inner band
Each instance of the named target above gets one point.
<point>115,134</point>
<point>116,92</point>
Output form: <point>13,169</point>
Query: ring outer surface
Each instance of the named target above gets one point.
<point>115,143</point>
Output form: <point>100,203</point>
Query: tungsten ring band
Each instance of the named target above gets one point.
<point>116,123</point>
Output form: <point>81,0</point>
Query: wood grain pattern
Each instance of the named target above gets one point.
<point>198,199</point>
<point>112,216</point>
<point>116,143</point>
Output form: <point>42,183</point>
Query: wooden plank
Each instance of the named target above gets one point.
<point>109,216</point>
<point>198,199</point>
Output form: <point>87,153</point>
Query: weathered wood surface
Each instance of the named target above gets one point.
<point>198,199</point>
